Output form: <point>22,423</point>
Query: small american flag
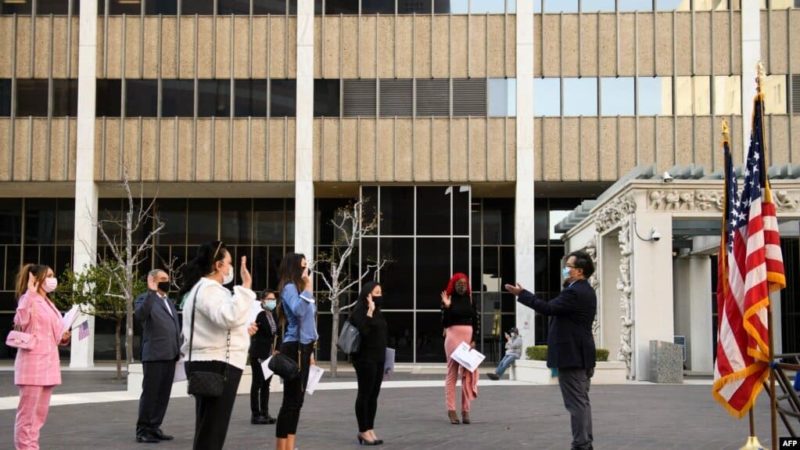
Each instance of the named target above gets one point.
<point>83,330</point>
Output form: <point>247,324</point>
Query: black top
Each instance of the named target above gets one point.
<point>261,342</point>
<point>570,343</point>
<point>161,328</point>
<point>374,332</point>
<point>462,311</point>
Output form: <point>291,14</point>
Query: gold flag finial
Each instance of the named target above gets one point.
<point>759,75</point>
<point>726,135</point>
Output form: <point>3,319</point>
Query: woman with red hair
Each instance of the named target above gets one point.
<point>461,323</point>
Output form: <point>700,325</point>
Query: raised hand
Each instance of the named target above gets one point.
<point>247,279</point>
<point>515,289</point>
<point>370,305</point>
<point>446,301</point>
<point>309,284</point>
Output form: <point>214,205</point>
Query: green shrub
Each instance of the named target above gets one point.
<point>539,353</point>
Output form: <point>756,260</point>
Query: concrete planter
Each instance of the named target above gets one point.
<point>135,376</point>
<point>537,372</point>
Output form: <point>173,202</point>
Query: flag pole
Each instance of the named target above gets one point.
<point>773,401</point>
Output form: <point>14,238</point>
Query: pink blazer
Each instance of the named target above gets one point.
<point>38,366</point>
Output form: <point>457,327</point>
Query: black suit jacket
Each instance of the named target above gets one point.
<point>570,343</point>
<point>261,342</point>
<point>161,332</point>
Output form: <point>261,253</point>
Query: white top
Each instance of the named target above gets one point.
<point>217,312</point>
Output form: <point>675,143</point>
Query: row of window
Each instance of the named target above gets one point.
<point>589,6</point>
<point>493,97</point>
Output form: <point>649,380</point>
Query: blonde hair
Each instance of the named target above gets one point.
<point>39,272</point>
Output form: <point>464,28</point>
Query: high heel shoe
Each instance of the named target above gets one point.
<point>362,441</point>
<point>453,417</point>
<point>465,418</point>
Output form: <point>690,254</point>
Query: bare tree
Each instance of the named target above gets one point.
<point>350,226</point>
<point>118,234</point>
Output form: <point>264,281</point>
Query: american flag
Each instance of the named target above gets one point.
<point>83,330</point>
<point>750,267</point>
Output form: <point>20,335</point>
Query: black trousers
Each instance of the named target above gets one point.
<point>293,391</point>
<point>156,388</point>
<point>259,389</point>
<point>213,414</point>
<point>574,384</point>
<point>370,377</point>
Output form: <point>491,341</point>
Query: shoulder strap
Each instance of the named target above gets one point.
<point>194,307</point>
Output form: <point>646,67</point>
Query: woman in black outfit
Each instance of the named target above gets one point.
<point>370,359</point>
<point>262,344</point>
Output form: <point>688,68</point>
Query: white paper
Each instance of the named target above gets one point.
<point>180,371</point>
<point>388,365</point>
<point>469,358</point>
<point>314,375</point>
<point>255,308</point>
<point>69,319</point>
<point>265,368</point>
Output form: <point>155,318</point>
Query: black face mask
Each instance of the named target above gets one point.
<point>461,290</point>
<point>163,286</point>
<point>378,300</point>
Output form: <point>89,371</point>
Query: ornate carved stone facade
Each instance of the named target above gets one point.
<point>625,300</point>
<point>710,200</point>
<point>613,213</point>
<point>594,281</point>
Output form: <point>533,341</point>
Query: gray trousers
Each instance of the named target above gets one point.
<point>574,384</point>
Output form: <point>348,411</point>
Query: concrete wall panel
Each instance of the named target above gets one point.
<point>589,147</point>
<point>570,33</point>
<point>570,149</point>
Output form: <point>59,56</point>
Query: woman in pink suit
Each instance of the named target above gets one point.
<point>37,370</point>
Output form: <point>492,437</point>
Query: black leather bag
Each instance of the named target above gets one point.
<point>284,367</point>
<point>204,378</point>
<point>349,339</point>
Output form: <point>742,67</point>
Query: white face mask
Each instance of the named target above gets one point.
<point>228,276</point>
<point>50,284</point>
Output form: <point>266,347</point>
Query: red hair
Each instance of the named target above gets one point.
<point>451,285</point>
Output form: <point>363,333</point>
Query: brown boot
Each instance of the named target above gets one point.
<point>453,417</point>
<point>465,417</point>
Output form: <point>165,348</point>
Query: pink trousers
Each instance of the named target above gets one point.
<point>34,403</point>
<point>455,335</point>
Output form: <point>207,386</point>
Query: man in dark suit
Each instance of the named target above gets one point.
<point>160,351</point>
<point>570,344</point>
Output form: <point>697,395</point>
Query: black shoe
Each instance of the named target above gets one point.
<point>362,441</point>
<point>158,434</point>
<point>492,376</point>
<point>270,420</point>
<point>258,419</point>
<point>147,437</point>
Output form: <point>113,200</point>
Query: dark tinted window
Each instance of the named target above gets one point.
<point>124,7</point>
<point>269,6</point>
<point>205,7</point>
<point>377,6</point>
<point>56,6</point>
<point>5,97</point>
<point>161,7</point>
<point>23,7</point>
<point>341,6</point>
<point>32,97</point>
<point>326,98</point>
<point>213,98</point>
<point>177,98</point>
<point>108,98</point>
<point>233,7</point>
<point>414,6</point>
<point>65,98</point>
<point>282,98</point>
<point>141,98</point>
<point>250,98</point>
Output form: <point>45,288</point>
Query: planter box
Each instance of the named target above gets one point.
<point>537,372</point>
<point>135,376</point>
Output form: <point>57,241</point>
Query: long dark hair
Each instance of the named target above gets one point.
<point>361,303</point>
<point>39,272</point>
<point>291,271</point>
<point>202,264</point>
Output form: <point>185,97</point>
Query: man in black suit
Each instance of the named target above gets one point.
<point>570,344</point>
<point>160,351</point>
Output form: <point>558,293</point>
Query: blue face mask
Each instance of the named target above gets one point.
<point>270,305</point>
<point>565,273</point>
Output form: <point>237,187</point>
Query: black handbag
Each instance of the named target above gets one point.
<point>284,367</point>
<point>204,379</point>
<point>349,339</point>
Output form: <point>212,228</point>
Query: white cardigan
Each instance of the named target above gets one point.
<point>217,312</point>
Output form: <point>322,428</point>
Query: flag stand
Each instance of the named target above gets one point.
<point>752,440</point>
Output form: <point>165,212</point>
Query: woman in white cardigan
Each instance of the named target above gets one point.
<point>220,339</point>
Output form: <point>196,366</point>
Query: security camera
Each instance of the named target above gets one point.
<point>666,177</point>
<point>655,235</point>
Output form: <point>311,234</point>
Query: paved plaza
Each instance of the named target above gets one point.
<point>505,416</point>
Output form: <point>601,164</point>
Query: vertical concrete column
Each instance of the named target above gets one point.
<point>304,167</point>
<point>85,245</point>
<point>751,55</point>
<point>523,207</point>
<point>652,297</point>
<point>693,310</point>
